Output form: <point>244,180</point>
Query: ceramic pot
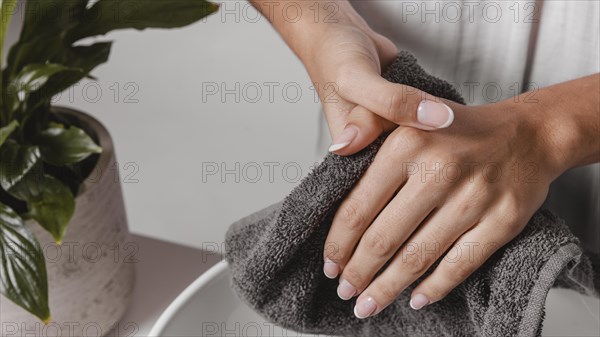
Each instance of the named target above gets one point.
<point>91,274</point>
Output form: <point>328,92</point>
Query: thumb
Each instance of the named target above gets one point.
<point>401,104</point>
<point>361,129</point>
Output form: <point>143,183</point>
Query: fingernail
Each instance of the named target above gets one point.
<point>331,269</point>
<point>418,301</point>
<point>345,290</point>
<point>365,307</point>
<point>435,114</point>
<point>344,139</point>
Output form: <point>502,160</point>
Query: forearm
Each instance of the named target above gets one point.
<point>301,23</point>
<point>568,116</point>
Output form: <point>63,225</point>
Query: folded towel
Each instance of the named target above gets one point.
<point>276,260</point>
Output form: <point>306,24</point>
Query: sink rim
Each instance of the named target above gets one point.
<point>181,299</point>
<point>222,268</point>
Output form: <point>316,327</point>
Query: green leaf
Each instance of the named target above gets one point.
<point>35,80</point>
<point>7,130</point>
<point>37,51</point>
<point>87,57</point>
<point>50,17</point>
<point>60,146</point>
<point>34,76</point>
<point>15,162</point>
<point>81,60</point>
<point>23,277</point>
<point>110,15</point>
<point>42,36</point>
<point>49,202</point>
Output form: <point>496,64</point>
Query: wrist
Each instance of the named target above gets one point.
<point>304,25</point>
<point>556,137</point>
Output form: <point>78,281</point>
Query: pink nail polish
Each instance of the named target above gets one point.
<point>345,290</point>
<point>418,301</point>
<point>331,269</point>
<point>435,114</point>
<point>344,139</point>
<point>365,307</point>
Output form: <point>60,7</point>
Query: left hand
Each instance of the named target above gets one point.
<point>461,193</point>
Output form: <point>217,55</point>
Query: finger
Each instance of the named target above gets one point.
<point>362,128</point>
<point>356,212</point>
<point>384,237</point>
<point>401,104</point>
<point>466,256</point>
<point>415,257</point>
<point>337,114</point>
<point>384,177</point>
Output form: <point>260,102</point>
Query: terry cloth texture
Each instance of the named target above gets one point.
<point>275,257</point>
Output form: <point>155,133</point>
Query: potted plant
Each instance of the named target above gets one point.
<point>53,161</point>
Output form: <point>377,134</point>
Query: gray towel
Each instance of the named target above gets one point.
<point>275,256</point>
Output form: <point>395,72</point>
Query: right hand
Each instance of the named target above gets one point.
<point>344,60</point>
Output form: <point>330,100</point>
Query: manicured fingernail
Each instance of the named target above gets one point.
<point>418,301</point>
<point>344,139</point>
<point>365,307</point>
<point>345,290</point>
<point>435,114</point>
<point>331,269</point>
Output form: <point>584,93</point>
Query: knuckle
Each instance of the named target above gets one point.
<point>344,77</point>
<point>443,167</point>
<point>511,212</point>
<point>433,174</point>
<point>511,229</point>
<point>405,139</point>
<point>434,290</point>
<point>378,244</point>
<point>388,293</point>
<point>397,106</point>
<point>459,270</point>
<point>476,194</point>
<point>449,164</point>
<point>414,263</point>
<point>333,251</point>
<point>350,215</point>
<point>466,207</point>
<point>355,277</point>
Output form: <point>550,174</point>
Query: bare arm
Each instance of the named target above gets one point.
<point>569,115</point>
<point>344,58</point>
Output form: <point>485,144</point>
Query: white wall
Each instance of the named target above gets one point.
<point>171,133</point>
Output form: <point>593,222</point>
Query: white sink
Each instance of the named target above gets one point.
<point>209,307</point>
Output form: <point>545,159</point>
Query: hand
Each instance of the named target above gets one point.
<point>344,58</point>
<point>457,194</point>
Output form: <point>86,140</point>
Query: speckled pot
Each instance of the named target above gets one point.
<point>91,275</point>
